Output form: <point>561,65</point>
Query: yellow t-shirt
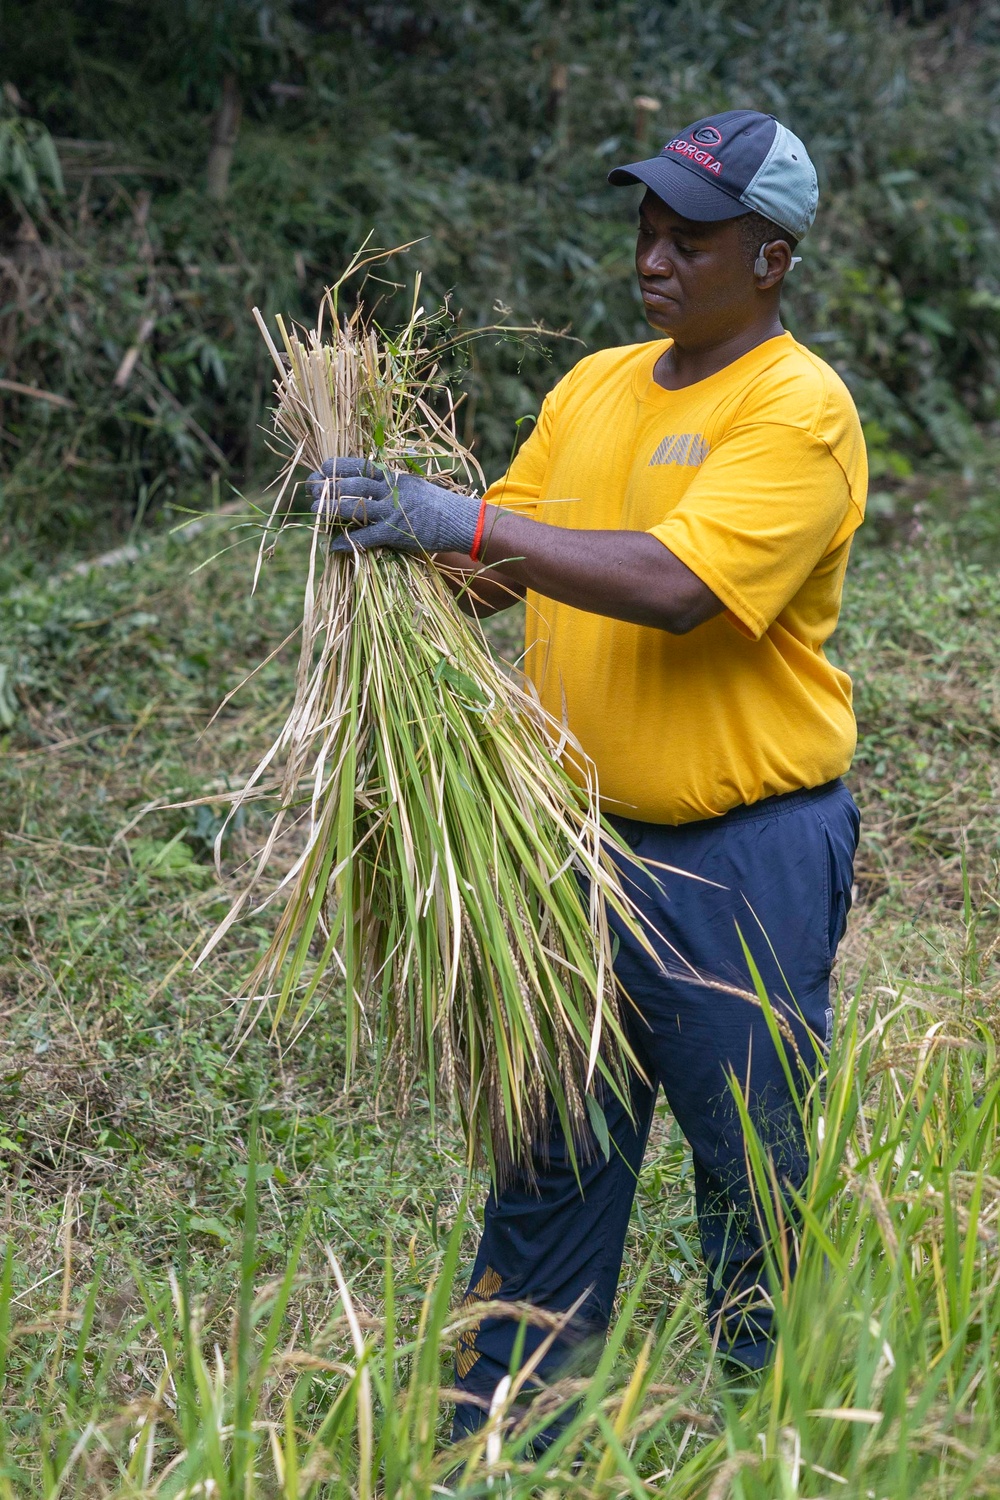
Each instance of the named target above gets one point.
<point>756,479</point>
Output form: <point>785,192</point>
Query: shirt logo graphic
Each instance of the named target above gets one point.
<point>686,448</point>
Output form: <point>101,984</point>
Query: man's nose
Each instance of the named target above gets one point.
<point>654,260</point>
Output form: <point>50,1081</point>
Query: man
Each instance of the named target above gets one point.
<point>680,521</point>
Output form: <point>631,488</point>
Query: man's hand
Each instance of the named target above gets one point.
<point>385,508</point>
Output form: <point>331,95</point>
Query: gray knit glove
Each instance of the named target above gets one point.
<point>385,508</point>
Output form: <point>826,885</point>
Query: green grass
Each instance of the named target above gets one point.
<point>145,1228</point>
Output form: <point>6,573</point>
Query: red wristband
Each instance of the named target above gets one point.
<point>477,539</point>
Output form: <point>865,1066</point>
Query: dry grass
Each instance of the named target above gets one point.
<point>452,887</point>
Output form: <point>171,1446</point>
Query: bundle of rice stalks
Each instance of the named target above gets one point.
<point>455,877</point>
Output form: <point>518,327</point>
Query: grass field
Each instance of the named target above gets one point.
<point>226,1276</point>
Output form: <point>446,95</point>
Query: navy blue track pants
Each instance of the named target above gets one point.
<point>780,873</point>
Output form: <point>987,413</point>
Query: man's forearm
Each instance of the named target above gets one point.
<point>480,591</point>
<point>628,575</point>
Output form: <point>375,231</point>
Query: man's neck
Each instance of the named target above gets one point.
<point>678,367</point>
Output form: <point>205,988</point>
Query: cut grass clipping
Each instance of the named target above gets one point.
<point>454,876</point>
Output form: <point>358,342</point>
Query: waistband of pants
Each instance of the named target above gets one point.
<point>767,807</point>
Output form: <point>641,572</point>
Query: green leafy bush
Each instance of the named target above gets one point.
<point>485,130</point>
<point>28,159</point>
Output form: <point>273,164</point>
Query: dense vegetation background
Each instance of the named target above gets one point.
<point>170,1325</point>
<point>166,166</point>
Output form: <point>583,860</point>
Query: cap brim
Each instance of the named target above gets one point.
<point>682,189</point>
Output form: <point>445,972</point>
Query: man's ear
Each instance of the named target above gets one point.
<point>774,260</point>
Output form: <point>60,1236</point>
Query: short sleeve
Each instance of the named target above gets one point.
<point>521,487</point>
<point>769,502</point>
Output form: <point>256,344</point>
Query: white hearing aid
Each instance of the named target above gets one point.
<point>760,265</point>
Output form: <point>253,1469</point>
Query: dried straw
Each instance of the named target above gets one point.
<point>455,876</point>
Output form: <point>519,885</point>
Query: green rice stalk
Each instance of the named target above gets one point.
<point>446,820</point>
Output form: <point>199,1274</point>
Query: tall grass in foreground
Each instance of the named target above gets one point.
<point>454,875</point>
<point>884,1381</point>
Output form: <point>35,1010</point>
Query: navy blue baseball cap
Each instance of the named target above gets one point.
<point>734,163</point>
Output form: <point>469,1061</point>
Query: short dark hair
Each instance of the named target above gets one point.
<point>755,230</point>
